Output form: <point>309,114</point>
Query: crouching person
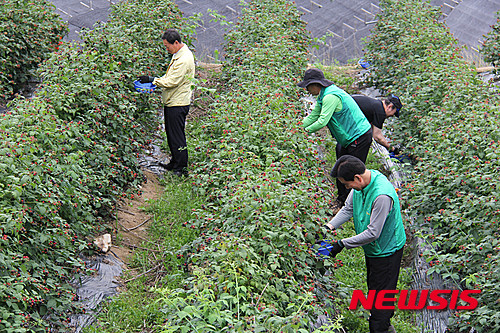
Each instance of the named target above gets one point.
<point>374,206</point>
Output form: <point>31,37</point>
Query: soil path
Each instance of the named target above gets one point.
<point>131,219</point>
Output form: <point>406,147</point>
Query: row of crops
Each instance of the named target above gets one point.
<point>252,266</point>
<point>451,127</point>
<point>491,45</point>
<point>28,32</point>
<point>70,152</point>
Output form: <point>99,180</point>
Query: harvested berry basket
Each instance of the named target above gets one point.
<point>364,64</point>
<point>324,248</point>
<point>145,88</point>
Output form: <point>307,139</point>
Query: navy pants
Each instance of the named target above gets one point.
<point>175,122</point>
<point>382,274</point>
<point>358,148</point>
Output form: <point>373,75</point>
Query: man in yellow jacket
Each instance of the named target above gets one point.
<point>176,97</point>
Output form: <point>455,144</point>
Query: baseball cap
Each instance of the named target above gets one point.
<point>396,102</point>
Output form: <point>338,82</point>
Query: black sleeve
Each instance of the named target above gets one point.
<point>379,117</point>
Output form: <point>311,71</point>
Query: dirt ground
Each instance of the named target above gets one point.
<point>131,219</point>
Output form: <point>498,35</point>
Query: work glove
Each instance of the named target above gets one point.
<point>325,233</point>
<point>394,150</point>
<point>337,248</point>
<point>146,79</point>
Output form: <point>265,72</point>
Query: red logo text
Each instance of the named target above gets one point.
<point>415,299</point>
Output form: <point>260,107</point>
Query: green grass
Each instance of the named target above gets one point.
<point>169,232</point>
<point>128,312</point>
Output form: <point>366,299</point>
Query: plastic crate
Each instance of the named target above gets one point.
<point>145,88</point>
<point>403,158</point>
<point>364,64</point>
<point>324,248</point>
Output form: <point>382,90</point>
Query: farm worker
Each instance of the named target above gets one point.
<point>374,206</point>
<point>176,98</point>
<point>337,110</point>
<point>377,111</point>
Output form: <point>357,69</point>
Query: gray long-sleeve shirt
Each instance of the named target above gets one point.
<point>382,205</point>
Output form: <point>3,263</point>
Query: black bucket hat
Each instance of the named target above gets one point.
<point>396,102</point>
<point>314,75</point>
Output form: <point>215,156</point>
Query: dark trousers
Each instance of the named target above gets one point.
<point>358,148</point>
<point>175,122</point>
<point>382,274</point>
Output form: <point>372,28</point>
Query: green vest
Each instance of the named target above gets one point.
<point>392,237</point>
<point>348,124</point>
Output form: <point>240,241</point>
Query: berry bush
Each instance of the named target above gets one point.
<point>68,154</point>
<point>491,46</point>
<point>253,268</point>
<point>451,128</point>
<point>29,31</point>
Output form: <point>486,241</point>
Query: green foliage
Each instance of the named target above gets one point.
<point>491,45</point>
<point>29,31</point>
<point>133,311</point>
<point>252,263</point>
<point>252,207</point>
<point>235,304</point>
<point>67,155</point>
<point>451,127</point>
